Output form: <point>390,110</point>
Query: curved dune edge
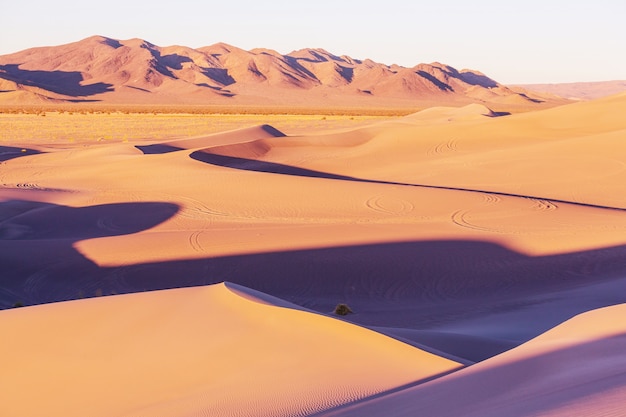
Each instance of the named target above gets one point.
<point>447,114</point>
<point>577,368</point>
<point>194,351</point>
<point>255,142</point>
<point>560,153</point>
<point>260,140</point>
<point>261,298</point>
<point>228,138</point>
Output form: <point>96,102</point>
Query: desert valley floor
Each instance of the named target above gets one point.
<point>178,271</point>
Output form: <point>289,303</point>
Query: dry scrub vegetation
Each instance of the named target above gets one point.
<point>100,124</point>
<point>90,108</point>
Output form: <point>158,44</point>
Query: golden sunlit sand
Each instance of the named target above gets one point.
<point>481,254</point>
<point>217,350</point>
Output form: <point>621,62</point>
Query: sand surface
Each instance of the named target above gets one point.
<point>575,369</point>
<point>455,233</point>
<point>216,349</point>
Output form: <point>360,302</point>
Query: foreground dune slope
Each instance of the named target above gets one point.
<point>218,350</point>
<point>576,369</point>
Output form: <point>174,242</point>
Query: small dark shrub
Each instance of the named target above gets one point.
<point>342,310</point>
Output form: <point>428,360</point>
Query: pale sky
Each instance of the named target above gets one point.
<point>510,41</point>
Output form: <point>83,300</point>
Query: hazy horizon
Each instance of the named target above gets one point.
<point>532,42</point>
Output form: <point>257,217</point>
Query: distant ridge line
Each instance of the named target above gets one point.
<point>134,71</point>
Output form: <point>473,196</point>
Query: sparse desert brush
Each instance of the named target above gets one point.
<point>208,109</point>
<point>73,126</point>
<point>343,310</point>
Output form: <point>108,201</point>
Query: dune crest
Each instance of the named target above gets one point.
<point>215,140</point>
<point>574,369</point>
<point>206,350</point>
<point>449,114</point>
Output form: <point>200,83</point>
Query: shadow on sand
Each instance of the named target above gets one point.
<point>531,385</point>
<point>10,152</point>
<point>419,285</point>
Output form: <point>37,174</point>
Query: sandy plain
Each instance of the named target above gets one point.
<point>190,265</point>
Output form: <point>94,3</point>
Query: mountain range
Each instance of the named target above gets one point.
<point>581,90</point>
<point>101,69</point>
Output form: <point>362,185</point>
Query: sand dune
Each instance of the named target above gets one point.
<point>200,351</point>
<point>577,368</point>
<point>562,161</point>
<point>471,235</point>
<point>218,139</point>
